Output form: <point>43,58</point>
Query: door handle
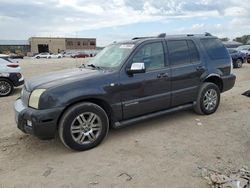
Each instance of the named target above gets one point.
<point>200,68</point>
<point>162,75</point>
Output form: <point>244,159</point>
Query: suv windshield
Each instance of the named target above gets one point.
<point>112,56</point>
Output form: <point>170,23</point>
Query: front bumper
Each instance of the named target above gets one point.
<point>228,82</point>
<point>40,123</point>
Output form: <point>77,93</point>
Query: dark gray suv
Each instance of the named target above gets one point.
<point>125,83</point>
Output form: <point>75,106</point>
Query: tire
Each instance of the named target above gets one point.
<point>83,126</point>
<point>6,87</point>
<point>238,63</point>
<point>38,57</point>
<point>208,93</point>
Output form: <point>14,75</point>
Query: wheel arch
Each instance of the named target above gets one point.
<point>216,79</point>
<point>5,78</point>
<point>100,102</point>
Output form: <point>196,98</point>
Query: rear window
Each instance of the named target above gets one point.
<point>215,49</point>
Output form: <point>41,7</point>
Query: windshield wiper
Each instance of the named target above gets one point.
<point>94,66</point>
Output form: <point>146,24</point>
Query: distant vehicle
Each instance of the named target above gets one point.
<point>80,55</point>
<point>68,54</point>
<point>42,55</point>
<point>238,57</point>
<point>10,76</point>
<point>244,49</point>
<point>16,56</point>
<point>51,56</point>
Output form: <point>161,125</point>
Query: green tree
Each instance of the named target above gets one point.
<point>224,39</point>
<point>244,39</point>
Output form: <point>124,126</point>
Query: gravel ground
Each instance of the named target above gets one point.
<point>163,152</point>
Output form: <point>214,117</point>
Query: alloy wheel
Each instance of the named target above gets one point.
<point>86,128</point>
<point>210,99</point>
<point>5,88</point>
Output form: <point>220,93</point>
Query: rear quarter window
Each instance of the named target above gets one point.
<point>215,49</point>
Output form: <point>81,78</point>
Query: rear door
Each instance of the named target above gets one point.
<point>186,70</point>
<point>150,91</point>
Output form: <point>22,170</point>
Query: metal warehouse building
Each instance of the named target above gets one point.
<point>56,45</point>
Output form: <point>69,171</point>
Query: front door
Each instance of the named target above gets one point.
<point>147,92</point>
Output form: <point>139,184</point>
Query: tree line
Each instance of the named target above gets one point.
<point>245,39</point>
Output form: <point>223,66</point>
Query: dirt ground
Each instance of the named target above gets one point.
<point>163,152</point>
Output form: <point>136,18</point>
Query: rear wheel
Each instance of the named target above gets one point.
<point>208,99</point>
<point>6,87</point>
<point>83,126</point>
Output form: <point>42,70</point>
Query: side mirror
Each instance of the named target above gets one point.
<point>136,68</point>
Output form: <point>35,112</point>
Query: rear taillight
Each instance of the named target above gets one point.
<point>13,65</point>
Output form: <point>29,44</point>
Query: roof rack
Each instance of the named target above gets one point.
<point>163,35</point>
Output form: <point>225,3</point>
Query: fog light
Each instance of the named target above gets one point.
<point>29,123</point>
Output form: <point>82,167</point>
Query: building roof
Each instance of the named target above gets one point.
<point>14,42</point>
<point>70,38</point>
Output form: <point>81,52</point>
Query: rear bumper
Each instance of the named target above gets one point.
<point>17,81</point>
<point>228,82</point>
<point>40,123</point>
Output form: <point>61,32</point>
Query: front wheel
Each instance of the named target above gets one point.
<point>83,126</point>
<point>6,87</point>
<point>208,99</point>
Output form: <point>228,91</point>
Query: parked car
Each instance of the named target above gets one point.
<point>68,54</point>
<point>238,57</point>
<point>52,56</point>
<point>80,55</point>
<point>10,75</point>
<point>42,55</point>
<point>16,56</point>
<point>244,49</point>
<point>125,83</point>
<point>248,58</point>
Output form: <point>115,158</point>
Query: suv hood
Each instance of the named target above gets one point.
<point>58,78</point>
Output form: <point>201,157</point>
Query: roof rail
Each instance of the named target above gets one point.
<point>163,35</point>
<point>141,38</point>
<point>208,34</point>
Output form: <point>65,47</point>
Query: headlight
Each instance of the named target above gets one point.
<point>34,98</point>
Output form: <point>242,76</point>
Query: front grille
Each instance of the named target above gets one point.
<point>25,96</point>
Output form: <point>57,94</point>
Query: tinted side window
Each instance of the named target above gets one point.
<point>178,52</point>
<point>194,54</point>
<point>152,55</point>
<point>215,49</point>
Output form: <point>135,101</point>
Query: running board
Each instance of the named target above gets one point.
<point>155,114</point>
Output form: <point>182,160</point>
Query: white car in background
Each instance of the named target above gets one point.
<point>10,75</point>
<point>51,56</point>
<point>42,55</point>
<point>48,55</point>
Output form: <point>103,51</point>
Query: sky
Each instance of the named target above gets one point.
<point>116,20</point>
